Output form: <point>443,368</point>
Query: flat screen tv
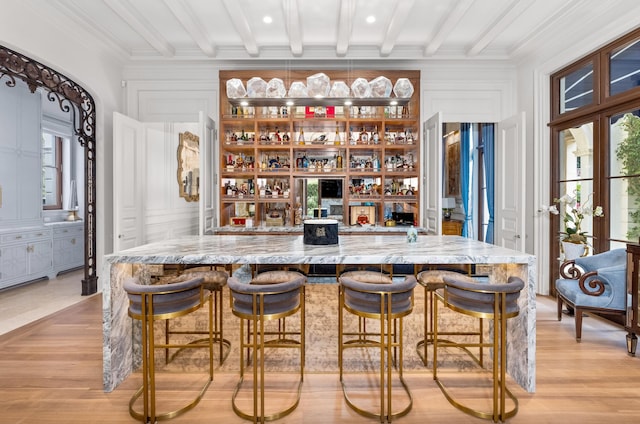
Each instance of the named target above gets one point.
<point>331,189</point>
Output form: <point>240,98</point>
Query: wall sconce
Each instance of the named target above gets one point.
<point>448,204</point>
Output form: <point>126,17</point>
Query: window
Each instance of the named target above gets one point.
<point>624,65</point>
<point>596,142</point>
<point>51,171</point>
<point>624,178</point>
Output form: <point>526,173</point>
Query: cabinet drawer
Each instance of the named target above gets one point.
<point>74,230</point>
<point>30,235</point>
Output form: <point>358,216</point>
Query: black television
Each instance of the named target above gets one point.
<point>331,189</point>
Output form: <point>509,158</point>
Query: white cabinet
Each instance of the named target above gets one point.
<point>20,166</point>
<point>68,245</point>
<point>25,255</point>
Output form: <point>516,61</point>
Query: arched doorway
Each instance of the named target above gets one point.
<point>72,98</point>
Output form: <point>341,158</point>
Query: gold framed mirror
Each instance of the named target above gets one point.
<point>189,166</point>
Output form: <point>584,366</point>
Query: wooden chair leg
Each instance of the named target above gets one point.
<point>578,312</point>
<point>559,308</point>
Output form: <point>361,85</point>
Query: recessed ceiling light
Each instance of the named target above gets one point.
<point>371,19</point>
<point>267,19</point>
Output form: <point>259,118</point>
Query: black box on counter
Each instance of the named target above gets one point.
<point>320,231</point>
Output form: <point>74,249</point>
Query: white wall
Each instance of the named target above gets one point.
<point>84,61</point>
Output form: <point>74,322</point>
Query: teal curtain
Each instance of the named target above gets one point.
<point>466,177</point>
<point>488,141</point>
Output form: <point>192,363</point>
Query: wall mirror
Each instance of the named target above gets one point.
<point>189,166</point>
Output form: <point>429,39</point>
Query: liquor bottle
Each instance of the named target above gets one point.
<point>364,136</point>
<point>375,137</point>
<point>352,140</point>
<point>336,139</point>
<point>265,162</point>
<point>243,137</point>
<point>376,162</point>
<point>277,136</point>
<point>339,160</point>
<point>410,139</point>
<point>301,137</point>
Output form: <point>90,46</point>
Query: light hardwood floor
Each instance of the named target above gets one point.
<point>51,372</point>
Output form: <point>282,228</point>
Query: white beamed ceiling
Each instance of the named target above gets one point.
<point>330,29</point>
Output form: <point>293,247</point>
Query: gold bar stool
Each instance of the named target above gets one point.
<point>150,303</point>
<point>496,302</point>
<point>214,281</point>
<point>388,303</point>
<point>433,280</point>
<point>272,295</point>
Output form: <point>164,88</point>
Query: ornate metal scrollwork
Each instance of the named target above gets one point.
<point>73,98</point>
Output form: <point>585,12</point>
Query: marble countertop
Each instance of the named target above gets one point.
<point>290,249</point>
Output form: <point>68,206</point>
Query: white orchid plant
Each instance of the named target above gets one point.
<point>575,213</point>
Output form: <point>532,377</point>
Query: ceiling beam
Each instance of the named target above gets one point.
<point>448,25</point>
<point>294,29</point>
<point>401,12</point>
<point>240,22</point>
<point>70,9</point>
<point>139,24</point>
<point>189,20</point>
<point>345,25</point>
<point>506,18</point>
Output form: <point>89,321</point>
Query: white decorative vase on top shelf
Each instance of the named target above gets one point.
<point>573,250</point>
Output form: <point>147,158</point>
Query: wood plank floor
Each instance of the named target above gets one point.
<point>51,372</point>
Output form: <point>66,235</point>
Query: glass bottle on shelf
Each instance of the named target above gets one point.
<point>337,140</point>
<point>352,140</point>
<point>301,137</point>
<point>409,136</point>
<point>339,160</point>
<point>364,136</point>
<point>263,137</point>
<point>376,162</point>
<point>375,136</point>
<point>298,213</point>
<point>265,162</point>
<point>276,136</point>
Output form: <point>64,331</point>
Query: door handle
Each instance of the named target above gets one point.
<point>517,236</point>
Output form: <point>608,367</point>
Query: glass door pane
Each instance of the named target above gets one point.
<point>575,183</point>
<point>624,165</point>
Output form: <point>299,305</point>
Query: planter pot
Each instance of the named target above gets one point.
<point>573,250</point>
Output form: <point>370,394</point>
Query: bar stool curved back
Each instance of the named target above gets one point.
<point>433,280</point>
<point>214,281</point>
<point>496,302</point>
<point>150,303</point>
<point>275,295</point>
<point>388,303</point>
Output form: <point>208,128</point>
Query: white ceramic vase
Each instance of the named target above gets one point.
<point>573,250</point>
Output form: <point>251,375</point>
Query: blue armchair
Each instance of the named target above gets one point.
<point>595,283</point>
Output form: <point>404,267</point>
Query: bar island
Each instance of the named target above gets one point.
<point>119,343</point>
